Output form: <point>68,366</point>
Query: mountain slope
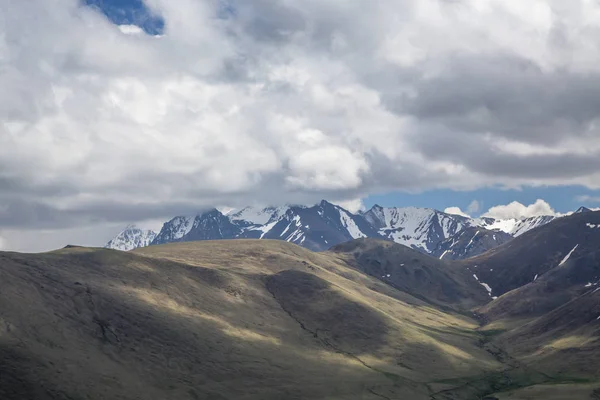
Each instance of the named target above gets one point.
<point>577,276</point>
<point>549,318</point>
<point>418,228</point>
<point>211,225</point>
<point>410,271</point>
<point>221,320</point>
<point>252,216</point>
<point>174,230</point>
<point>514,227</point>
<point>518,262</point>
<point>470,242</point>
<point>563,343</point>
<point>131,238</point>
<point>320,227</point>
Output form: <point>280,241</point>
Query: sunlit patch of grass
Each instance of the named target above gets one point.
<point>569,342</point>
<point>161,300</point>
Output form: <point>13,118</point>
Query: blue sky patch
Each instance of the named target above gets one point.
<point>561,198</point>
<point>129,12</point>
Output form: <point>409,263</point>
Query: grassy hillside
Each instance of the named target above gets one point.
<point>222,320</point>
<point>408,270</point>
<point>563,343</point>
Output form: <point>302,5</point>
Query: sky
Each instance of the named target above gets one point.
<point>133,111</point>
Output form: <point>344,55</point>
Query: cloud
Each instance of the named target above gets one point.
<point>474,207</point>
<point>588,199</point>
<point>517,210</point>
<point>456,211</point>
<point>354,205</point>
<point>131,29</point>
<point>273,102</point>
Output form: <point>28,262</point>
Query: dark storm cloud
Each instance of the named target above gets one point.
<point>506,96</point>
<point>478,155</point>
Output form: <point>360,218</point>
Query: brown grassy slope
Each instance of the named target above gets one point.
<point>552,324</point>
<point>417,325</point>
<point>564,343</point>
<point>219,320</point>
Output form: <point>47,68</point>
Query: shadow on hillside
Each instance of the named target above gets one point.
<point>17,380</point>
<point>326,314</point>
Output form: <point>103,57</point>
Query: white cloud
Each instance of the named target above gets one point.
<point>456,211</point>
<point>474,207</point>
<point>281,102</point>
<point>354,205</point>
<point>517,210</point>
<point>131,29</point>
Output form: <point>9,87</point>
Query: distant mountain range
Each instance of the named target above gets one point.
<point>324,225</point>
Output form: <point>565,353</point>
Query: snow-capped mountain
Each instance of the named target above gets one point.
<point>131,238</point>
<point>174,230</point>
<point>211,225</point>
<point>420,228</point>
<point>324,225</point>
<point>319,227</point>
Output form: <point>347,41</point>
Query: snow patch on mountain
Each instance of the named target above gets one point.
<point>473,238</point>
<point>350,225</point>
<point>264,229</point>
<point>564,260</point>
<point>485,285</point>
<point>178,228</point>
<point>504,225</point>
<point>514,227</point>
<point>259,216</point>
<point>420,228</point>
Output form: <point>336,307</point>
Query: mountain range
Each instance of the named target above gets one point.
<point>366,319</point>
<point>324,225</point>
